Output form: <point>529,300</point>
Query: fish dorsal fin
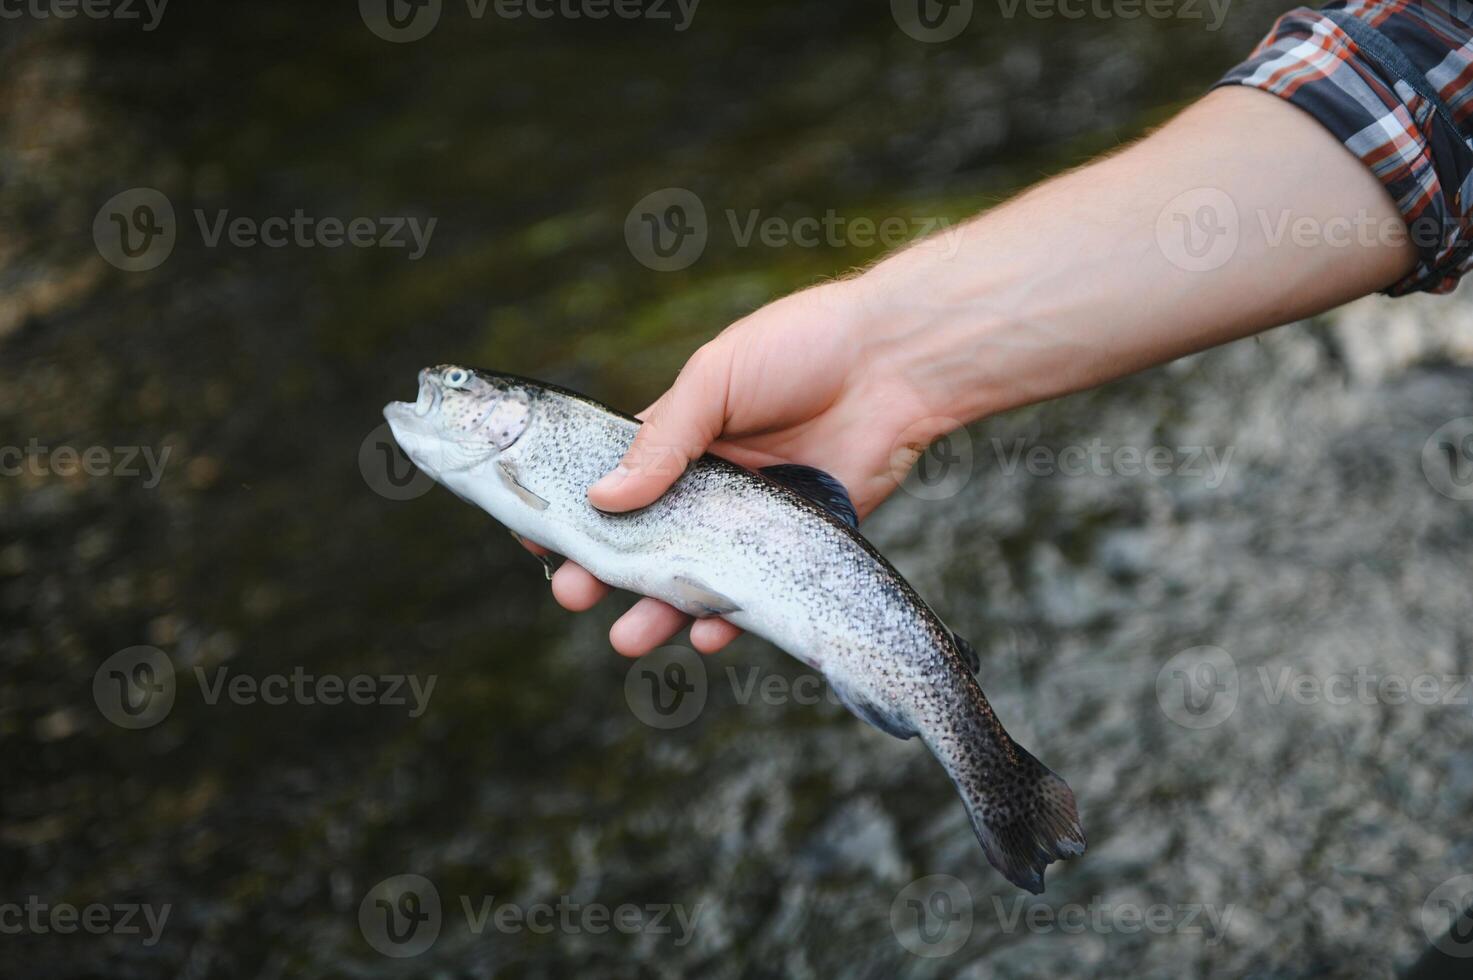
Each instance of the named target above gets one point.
<point>867,711</point>
<point>968,652</point>
<point>817,486</point>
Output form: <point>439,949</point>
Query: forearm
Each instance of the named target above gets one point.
<point>1090,277</point>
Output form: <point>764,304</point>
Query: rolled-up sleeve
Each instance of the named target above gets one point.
<point>1393,81</point>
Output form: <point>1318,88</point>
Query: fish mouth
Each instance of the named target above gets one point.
<point>425,402</point>
<point>416,435</point>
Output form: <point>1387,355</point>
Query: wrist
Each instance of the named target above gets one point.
<point>920,321</point>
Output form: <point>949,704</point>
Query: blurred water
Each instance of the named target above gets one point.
<point>1314,832</point>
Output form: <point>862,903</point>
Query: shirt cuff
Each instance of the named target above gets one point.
<point>1393,81</point>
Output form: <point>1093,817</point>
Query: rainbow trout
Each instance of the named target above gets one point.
<point>776,552</point>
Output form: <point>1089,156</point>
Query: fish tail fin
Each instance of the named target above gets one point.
<point>1023,814</point>
<point>1028,823</point>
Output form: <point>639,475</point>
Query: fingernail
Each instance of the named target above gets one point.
<point>611,480</point>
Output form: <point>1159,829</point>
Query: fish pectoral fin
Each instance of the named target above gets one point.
<point>696,599</point>
<point>820,487</point>
<point>866,710</point>
<point>508,473</point>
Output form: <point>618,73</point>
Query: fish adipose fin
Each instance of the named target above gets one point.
<point>817,486</point>
<point>968,652</point>
<point>1026,819</point>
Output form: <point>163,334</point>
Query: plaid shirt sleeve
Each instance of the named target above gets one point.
<point>1393,81</point>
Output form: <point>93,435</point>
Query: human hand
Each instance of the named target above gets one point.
<point>799,381</point>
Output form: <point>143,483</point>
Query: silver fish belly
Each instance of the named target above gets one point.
<point>727,541</point>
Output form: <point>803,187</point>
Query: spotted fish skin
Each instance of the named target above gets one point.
<point>726,541</point>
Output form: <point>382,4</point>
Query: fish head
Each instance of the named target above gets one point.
<point>461,418</point>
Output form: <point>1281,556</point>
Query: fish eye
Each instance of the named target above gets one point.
<point>456,377</point>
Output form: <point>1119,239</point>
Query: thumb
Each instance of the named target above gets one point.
<point>680,425</point>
